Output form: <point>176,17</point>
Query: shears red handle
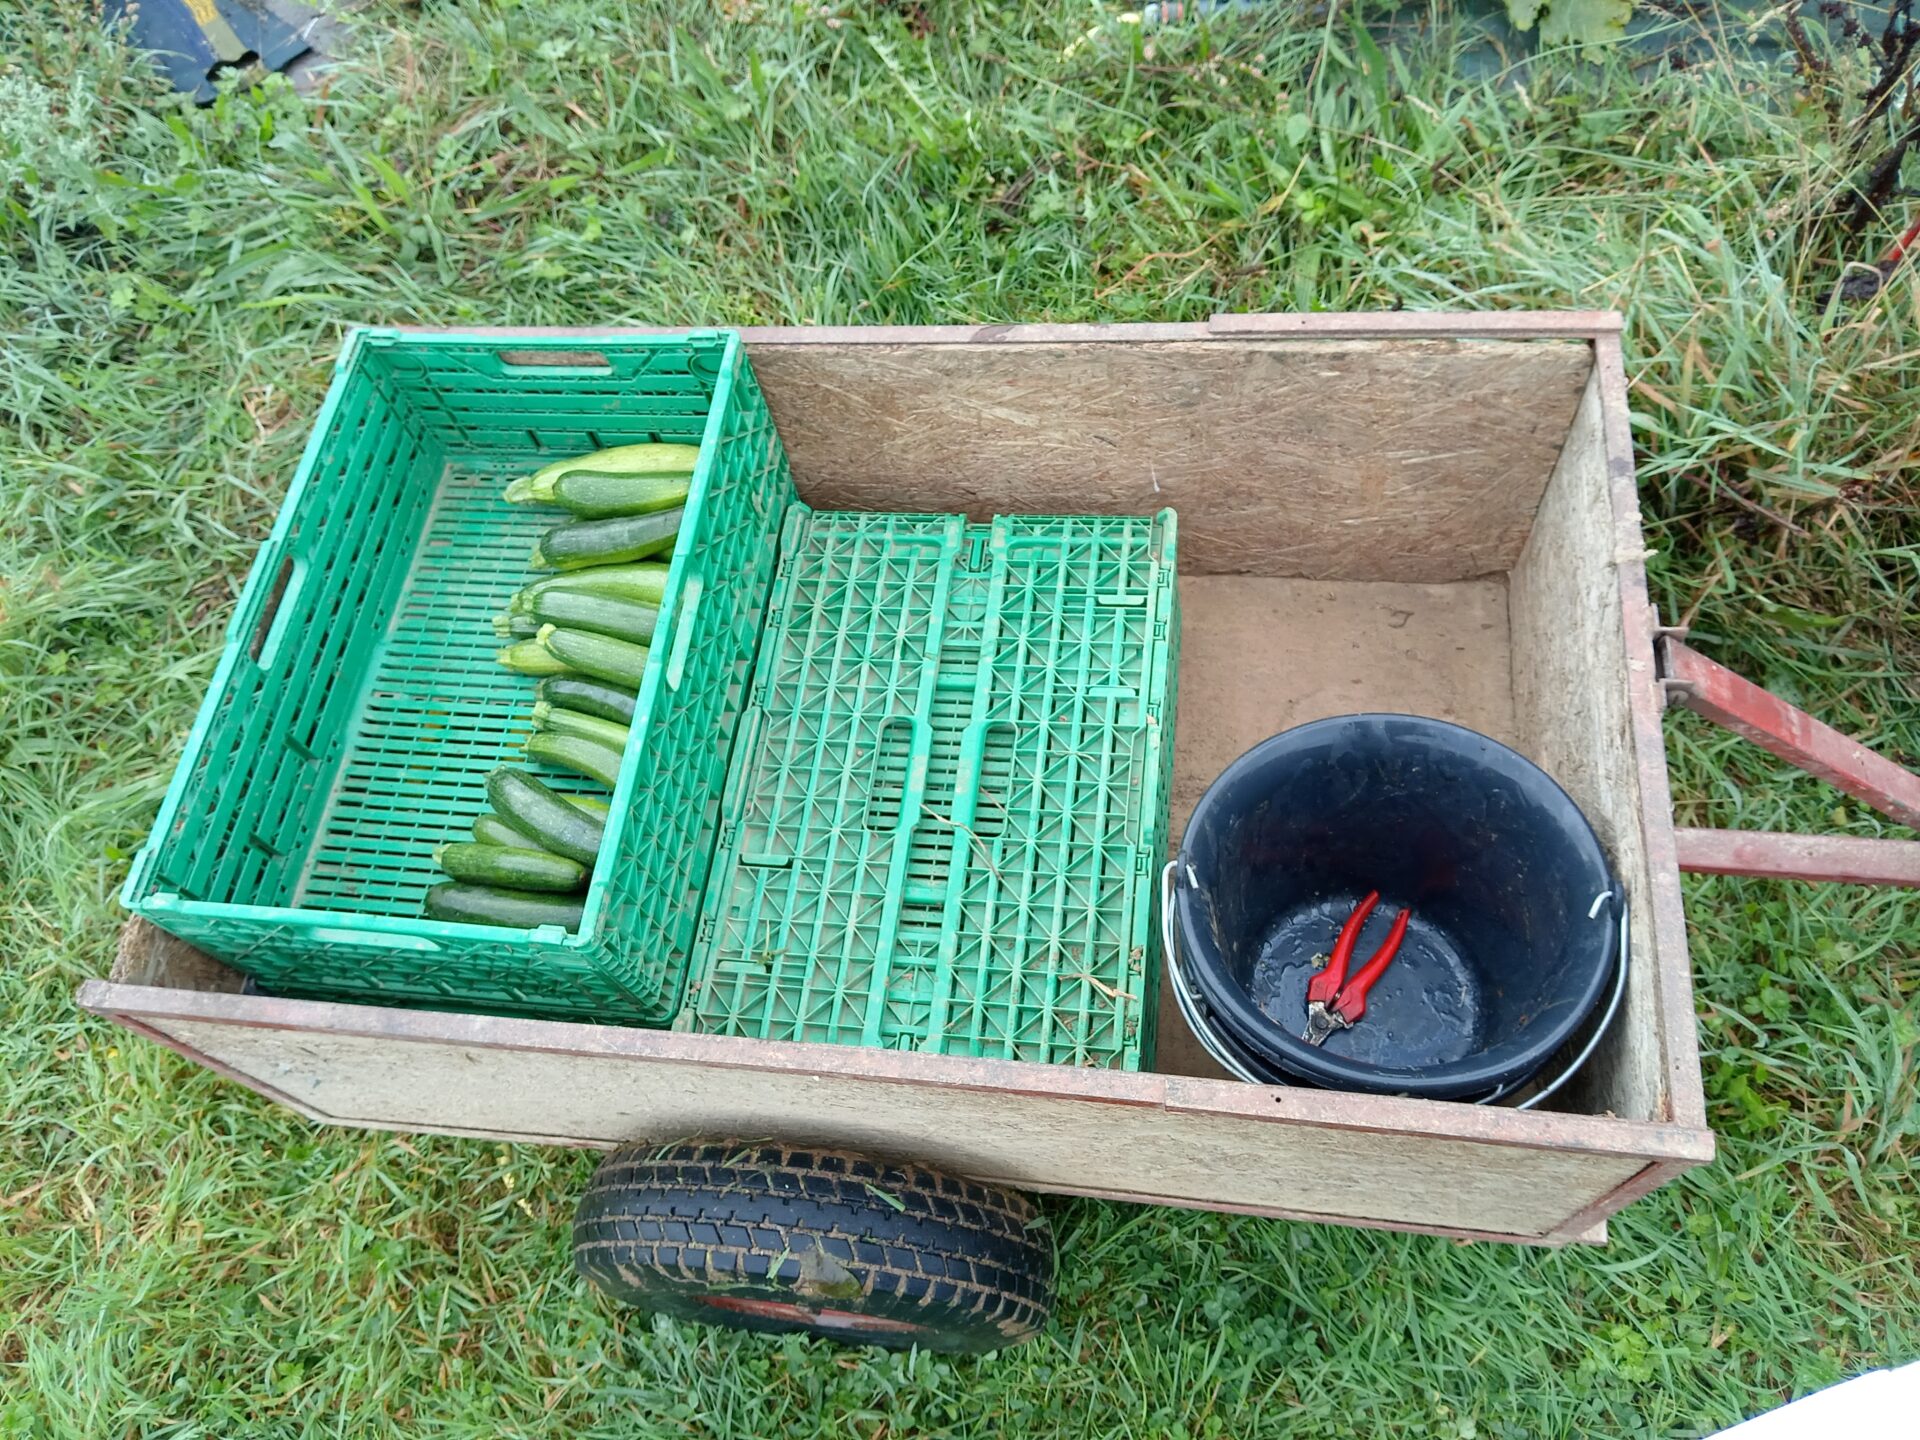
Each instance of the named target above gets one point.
<point>1333,1001</point>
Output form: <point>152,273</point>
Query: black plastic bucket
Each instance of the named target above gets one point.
<point>1516,934</point>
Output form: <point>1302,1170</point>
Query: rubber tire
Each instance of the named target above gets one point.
<point>780,1239</point>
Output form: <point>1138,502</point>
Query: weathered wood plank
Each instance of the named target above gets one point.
<point>1322,325</point>
<point>1405,324</point>
<point>1415,460</point>
<point>1569,690</point>
<point>1171,1139</point>
<point>1573,676</point>
<point>1323,1108</point>
<point>1672,1020</point>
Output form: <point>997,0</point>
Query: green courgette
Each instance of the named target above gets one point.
<point>644,583</point>
<point>490,829</point>
<point>601,656</point>
<point>602,614</point>
<point>515,627</point>
<point>605,542</point>
<point>601,497</point>
<point>530,657</point>
<point>578,754</point>
<point>589,697</point>
<point>509,867</point>
<point>558,720</point>
<point>616,462</point>
<point>544,815</point>
<point>485,905</point>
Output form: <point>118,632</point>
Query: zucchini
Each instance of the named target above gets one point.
<point>602,614</point>
<point>589,697</point>
<point>484,905</point>
<point>510,867</point>
<point>515,627</point>
<point>601,656</point>
<point>602,542</point>
<point>644,583</point>
<point>573,752</point>
<point>490,829</point>
<point>530,657</point>
<point>615,462</point>
<point>558,720</point>
<point>601,497</point>
<point>543,815</point>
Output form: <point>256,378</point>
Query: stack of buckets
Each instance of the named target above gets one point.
<point>1516,935</point>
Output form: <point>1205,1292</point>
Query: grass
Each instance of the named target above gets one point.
<point>181,1259</point>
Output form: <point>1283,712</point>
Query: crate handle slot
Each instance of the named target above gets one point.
<point>279,608</point>
<point>540,362</point>
<point>887,783</point>
<point>383,938</point>
<point>683,631</point>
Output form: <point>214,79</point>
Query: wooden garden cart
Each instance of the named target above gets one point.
<point>1424,513</point>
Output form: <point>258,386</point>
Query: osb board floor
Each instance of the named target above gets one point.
<point>1258,656</point>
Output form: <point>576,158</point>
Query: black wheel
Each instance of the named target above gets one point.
<point>777,1238</point>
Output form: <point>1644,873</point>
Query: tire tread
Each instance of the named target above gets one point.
<point>663,1222</point>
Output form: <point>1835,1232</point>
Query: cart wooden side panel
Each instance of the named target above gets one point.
<point>1417,460</point>
<point>1447,1169</point>
<point>1585,692</point>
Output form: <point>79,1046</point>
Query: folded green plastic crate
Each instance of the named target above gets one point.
<point>357,708</point>
<point>948,801</point>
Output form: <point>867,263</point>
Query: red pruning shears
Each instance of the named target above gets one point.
<point>1333,1001</point>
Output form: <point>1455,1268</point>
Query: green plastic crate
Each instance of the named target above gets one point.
<point>948,802</point>
<point>357,708</point>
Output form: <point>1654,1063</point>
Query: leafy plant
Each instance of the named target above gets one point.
<point>1572,22</point>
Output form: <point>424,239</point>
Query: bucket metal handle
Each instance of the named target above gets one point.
<point>1620,965</point>
<point>1184,998</point>
<point>1189,1008</point>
